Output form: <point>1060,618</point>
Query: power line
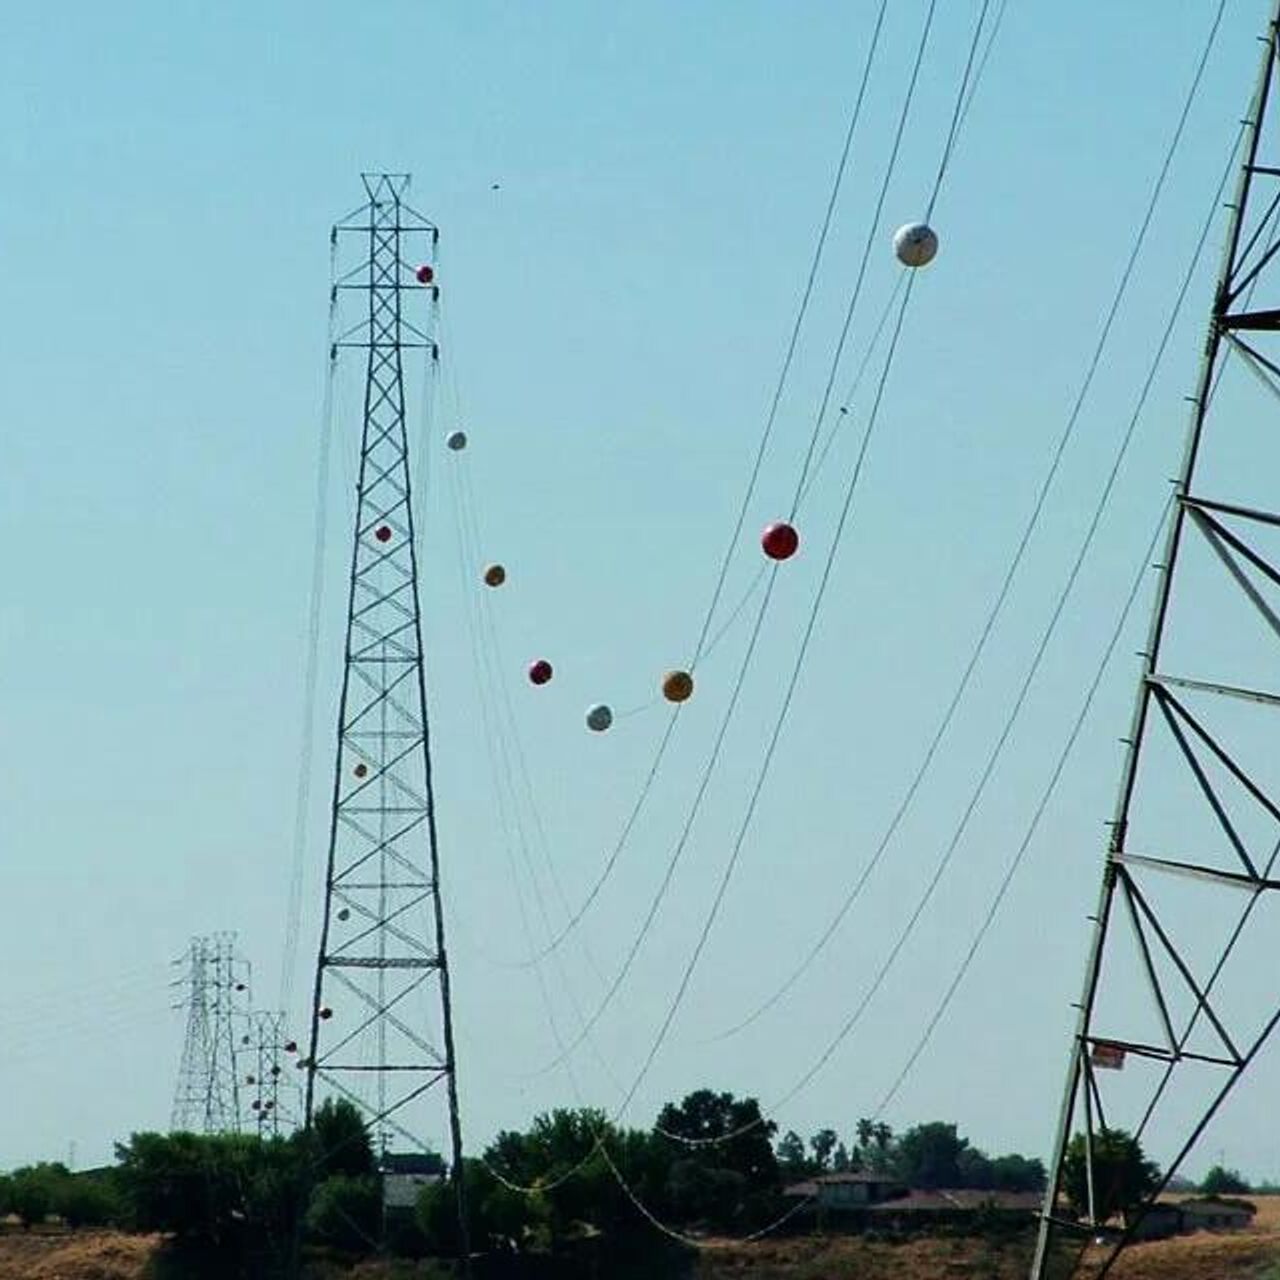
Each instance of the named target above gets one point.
<point>745,662</point>
<point>306,754</point>
<point>701,645</point>
<point>998,604</point>
<point>873,228</point>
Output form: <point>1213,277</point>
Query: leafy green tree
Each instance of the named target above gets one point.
<point>841,1161</point>
<point>1017,1173</point>
<point>743,1138</point>
<point>1122,1175</point>
<point>86,1200</point>
<point>1224,1182</point>
<point>346,1212</point>
<point>929,1155</point>
<point>702,1192</point>
<point>341,1140</point>
<point>235,1196</point>
<point>727,1175</point>
<point>792,1160</point>
<point>562,1151</point>
<point>975,1169</point>
<point>874,1151</point>
<point>822,1144</point>
<point>33,1190</point>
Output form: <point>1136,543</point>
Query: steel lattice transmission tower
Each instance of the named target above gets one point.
<point>273,1091</point>
<point>207,1098</point>
<point>381,1022</point>
<point>1171,1018</point>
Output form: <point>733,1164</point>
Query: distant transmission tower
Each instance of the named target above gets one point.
<point>1171,1017</point>
<point>207,1099</point>
<point>271,1089</point>
<point>381,1022</point>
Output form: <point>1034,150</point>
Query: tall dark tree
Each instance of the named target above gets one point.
<point>1017,1173</point>
<point>792,1160</point>
<point>840,1161</point>
<point>727,1174</point>
<point>929,1155</point>
<point>341,1140</point>
<point>744,1137</point>
<point>823,1144</point>
<point>975,1169</point>
<point>1122,1175</point>
<point>1224,1182</point>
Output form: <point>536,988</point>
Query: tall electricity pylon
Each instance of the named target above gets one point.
<point>381,1020</point>
<point>271,1089</point>
<point>207,1099</point>
<point>1170,1018</point>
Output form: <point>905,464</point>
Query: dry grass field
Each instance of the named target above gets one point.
<point>89,1255</point>
<point>1247,1255</point>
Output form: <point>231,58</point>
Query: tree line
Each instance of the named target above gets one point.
<point>571,1181</point>
<point>926,1156</point>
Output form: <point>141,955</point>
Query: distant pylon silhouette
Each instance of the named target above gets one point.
<point>216,997</point>
<point>272,1092</point>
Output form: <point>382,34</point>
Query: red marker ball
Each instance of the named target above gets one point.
<point>540,671</point>
<point>383,533</point>
<point>780,540</point>
<point>425,274</point>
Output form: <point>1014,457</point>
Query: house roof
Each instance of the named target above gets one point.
<point>967,1199</point>
<point>810,1186</point>
<point>411,1162</point>
<point>1208,1207</point>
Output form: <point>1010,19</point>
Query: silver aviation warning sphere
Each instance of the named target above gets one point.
<point>916,244</point>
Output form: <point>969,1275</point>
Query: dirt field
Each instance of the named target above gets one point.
<point>86,1256</point>
<point>1245,1255</point>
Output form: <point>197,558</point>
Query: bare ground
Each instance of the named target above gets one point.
<point>1247,1255</point>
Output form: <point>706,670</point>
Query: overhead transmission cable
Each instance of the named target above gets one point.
<point>514,833</point>
<point>873,229</point>
<point>701,645</point>
<point>599,1146</point>
<point>829,564</point>
<point>1002,594</point>
<point>1103,500</point>
<point>802,310</point>
<point>745,662</point>
<point>306,754</point>
<point>1014,864</point>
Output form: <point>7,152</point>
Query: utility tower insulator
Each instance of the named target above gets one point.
<point>381,1030</point>
<point>1174,1011</point>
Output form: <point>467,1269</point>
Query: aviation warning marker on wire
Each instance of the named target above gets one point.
<point>599,717</point>
<point>916,244</point>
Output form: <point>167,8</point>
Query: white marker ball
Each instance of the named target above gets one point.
<point>915,244</point>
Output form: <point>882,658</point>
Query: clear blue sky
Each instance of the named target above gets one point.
<point>616,313</point>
